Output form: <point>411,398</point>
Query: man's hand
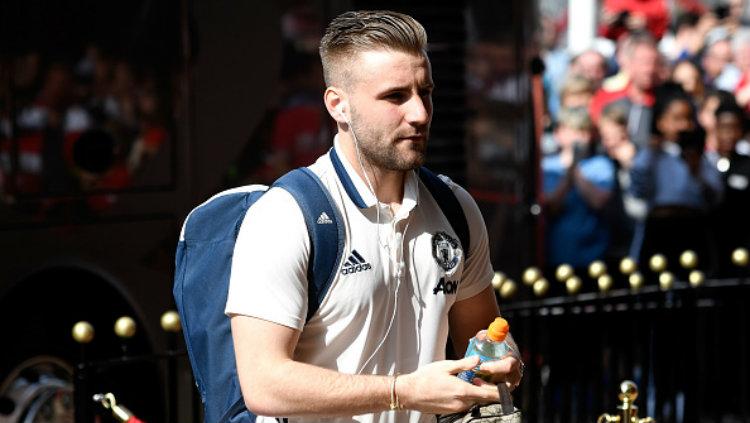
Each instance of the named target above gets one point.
<point>435,389</point>
<point>506,370</point>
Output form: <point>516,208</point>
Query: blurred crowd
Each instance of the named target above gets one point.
<point>75,125</point>
<point>297,127</point>
<point>646,148</point>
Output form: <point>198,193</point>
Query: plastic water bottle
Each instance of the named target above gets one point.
<point>488,346</point>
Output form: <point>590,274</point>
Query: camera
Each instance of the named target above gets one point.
<point>580,150</point>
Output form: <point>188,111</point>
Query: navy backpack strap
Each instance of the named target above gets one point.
<point>323,219</point>
<point>450,206</point>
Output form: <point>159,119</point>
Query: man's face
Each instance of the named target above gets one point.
<point>644,66</point>
<point>591,66</point>
<point>568,137</point>
<point>391,107</point>
<point>612,134</point>
<point>717,57</point>
<point>728,132</point>
<point>576,100</point>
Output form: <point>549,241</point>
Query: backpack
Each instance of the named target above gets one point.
<point>203,262</point>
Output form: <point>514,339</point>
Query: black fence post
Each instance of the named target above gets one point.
<point>83,333</point>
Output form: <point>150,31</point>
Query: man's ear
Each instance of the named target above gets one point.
<point>336,104</point>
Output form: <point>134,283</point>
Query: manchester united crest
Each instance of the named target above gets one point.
<point>446,251</point>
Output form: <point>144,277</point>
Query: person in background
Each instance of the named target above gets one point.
<point>673,173</point>
<point>622,209</point>
<point>556,62</point>
<point>591,65</point>
<point>686,40</point>
<point>707,115</point>
<point>719,73</point>
<point>577,91</point>
<point>733,212</point>
<point>576,188</point>
<point>688,75</point>
<point>619,63</point>
<point>641,64</point>
<point>733,15</point>
<point>741,48</point>
<point>621,16</point>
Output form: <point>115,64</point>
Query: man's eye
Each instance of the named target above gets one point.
<point>395,96</point>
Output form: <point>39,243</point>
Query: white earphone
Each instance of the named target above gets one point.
<point>340,110</point>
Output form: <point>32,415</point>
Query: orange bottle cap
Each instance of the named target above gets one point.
<point>498,330</point>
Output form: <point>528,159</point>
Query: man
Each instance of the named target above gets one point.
<point>576,188</point>
<point>717,65</point>
<point>641,64</point>
<point>591,65</point>
<point>734,165</point>
<point>575,92</point>
<point>377,341</point>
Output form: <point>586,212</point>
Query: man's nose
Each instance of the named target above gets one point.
<point>419,110</point>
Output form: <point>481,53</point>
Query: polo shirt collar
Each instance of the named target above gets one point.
<point>357,188</point>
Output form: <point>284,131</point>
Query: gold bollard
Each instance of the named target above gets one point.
<point>740,257</point>
<point>657,263</point>
<point>635,281</point>
<point>597,268</point>
<point>688,259</point>
<point>531,275</point>
<point>666,280</point>
<point>628,266</point>
<point>541,286</point>
<point>628,411</point>
<point>498,279</point>
<point>696,278</point>
<point>508,289</point>
<point>564,272</point>
<point>83,332</point>
<point>573,285</point>
<point>125,327</point>
<point>170,321</point>
<point>604,282</point>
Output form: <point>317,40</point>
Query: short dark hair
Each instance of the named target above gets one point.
<point>616,113</point>
<point>731,107</point>
<point>665,95</point>
<point>357,31</point>
<point>636,39</point>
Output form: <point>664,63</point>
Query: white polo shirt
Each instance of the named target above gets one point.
<point>372,320</point>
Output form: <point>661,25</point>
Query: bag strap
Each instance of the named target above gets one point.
<point>450,206</point>
<point>322,218</point>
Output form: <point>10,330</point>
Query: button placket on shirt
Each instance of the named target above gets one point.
<point>391,230</point>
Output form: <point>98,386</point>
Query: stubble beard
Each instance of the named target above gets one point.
<point>388,152</point>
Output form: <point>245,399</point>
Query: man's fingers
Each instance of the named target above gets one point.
<point>466,363</point>
<point>504,366</point>
<point>506,370</point>
<point>483,392</point>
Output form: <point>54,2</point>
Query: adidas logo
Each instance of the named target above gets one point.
<point>355,263</point>
<point>323,219</point>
